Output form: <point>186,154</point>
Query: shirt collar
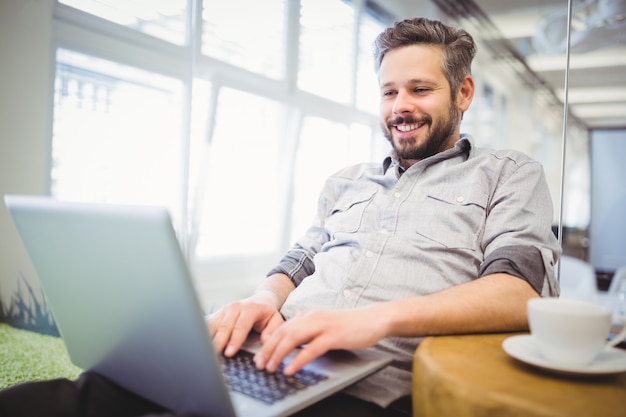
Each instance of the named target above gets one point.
<point>465,144</point>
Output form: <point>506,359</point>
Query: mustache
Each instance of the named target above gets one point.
<point>410,119</point>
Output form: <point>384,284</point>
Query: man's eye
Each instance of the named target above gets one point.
<point>421,90</point>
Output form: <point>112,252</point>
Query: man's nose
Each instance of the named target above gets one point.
<point>403,103</point>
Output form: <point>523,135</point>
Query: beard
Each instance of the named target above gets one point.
<point>436,140</point>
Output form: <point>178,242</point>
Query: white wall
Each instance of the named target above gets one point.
<point>412,8</point>
<point>25,110</point>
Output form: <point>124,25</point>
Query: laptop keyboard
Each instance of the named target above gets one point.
<point>242,376</point>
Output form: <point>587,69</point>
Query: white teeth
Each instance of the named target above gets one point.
<point>407,128</point>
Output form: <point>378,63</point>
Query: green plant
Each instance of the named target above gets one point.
<point>27,311</point>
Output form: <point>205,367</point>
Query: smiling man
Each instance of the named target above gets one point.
<point>442,237</point>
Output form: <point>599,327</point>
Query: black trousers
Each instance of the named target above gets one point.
<point>94,396</point>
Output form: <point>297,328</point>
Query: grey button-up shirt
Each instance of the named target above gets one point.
<point>380,235</point>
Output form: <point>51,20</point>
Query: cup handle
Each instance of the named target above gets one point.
<point>622,334</point>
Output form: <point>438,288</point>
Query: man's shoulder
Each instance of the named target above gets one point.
<point>501,155</point>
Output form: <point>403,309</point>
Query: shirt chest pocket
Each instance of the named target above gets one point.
<point>454,218</point>
<point>346,215</point>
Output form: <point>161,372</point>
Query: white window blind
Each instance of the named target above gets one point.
<point>243,195</point>
<point>247,34</point>
<point>163,19</point>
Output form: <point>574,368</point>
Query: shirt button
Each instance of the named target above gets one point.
<point>397,194</point>
<point>460,199</point>
<point>346,293</point>
<point>369,254</point>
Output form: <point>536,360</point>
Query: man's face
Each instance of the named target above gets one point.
<point>418,116</point>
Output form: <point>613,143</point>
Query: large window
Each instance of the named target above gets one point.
<point>231,114</point>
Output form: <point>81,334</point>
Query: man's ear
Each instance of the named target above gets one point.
<point>466,93</point>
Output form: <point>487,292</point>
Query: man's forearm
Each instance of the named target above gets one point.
<point>493,303</point>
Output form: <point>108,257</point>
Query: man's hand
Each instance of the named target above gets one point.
<point>231,325</point>
<point>319,331</point>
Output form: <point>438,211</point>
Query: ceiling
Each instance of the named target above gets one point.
<point>533,32</point>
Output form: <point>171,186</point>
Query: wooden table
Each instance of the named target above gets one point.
<point>471,375</point>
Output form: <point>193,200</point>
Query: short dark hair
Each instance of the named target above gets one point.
<point>457,46</point>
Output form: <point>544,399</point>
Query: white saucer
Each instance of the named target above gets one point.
<point>523,348</point>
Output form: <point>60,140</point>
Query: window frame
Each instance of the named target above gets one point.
<point>82,32</point>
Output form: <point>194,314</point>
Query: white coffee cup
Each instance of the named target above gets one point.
<point>571,332</point>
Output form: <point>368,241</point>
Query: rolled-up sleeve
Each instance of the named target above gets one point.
<point>524,262</point>
<point>297,264</point>
<point>520,217</point>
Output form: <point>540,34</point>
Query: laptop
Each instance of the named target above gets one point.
<point>124,302</point>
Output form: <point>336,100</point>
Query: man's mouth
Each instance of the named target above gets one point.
<point>408,127</point>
